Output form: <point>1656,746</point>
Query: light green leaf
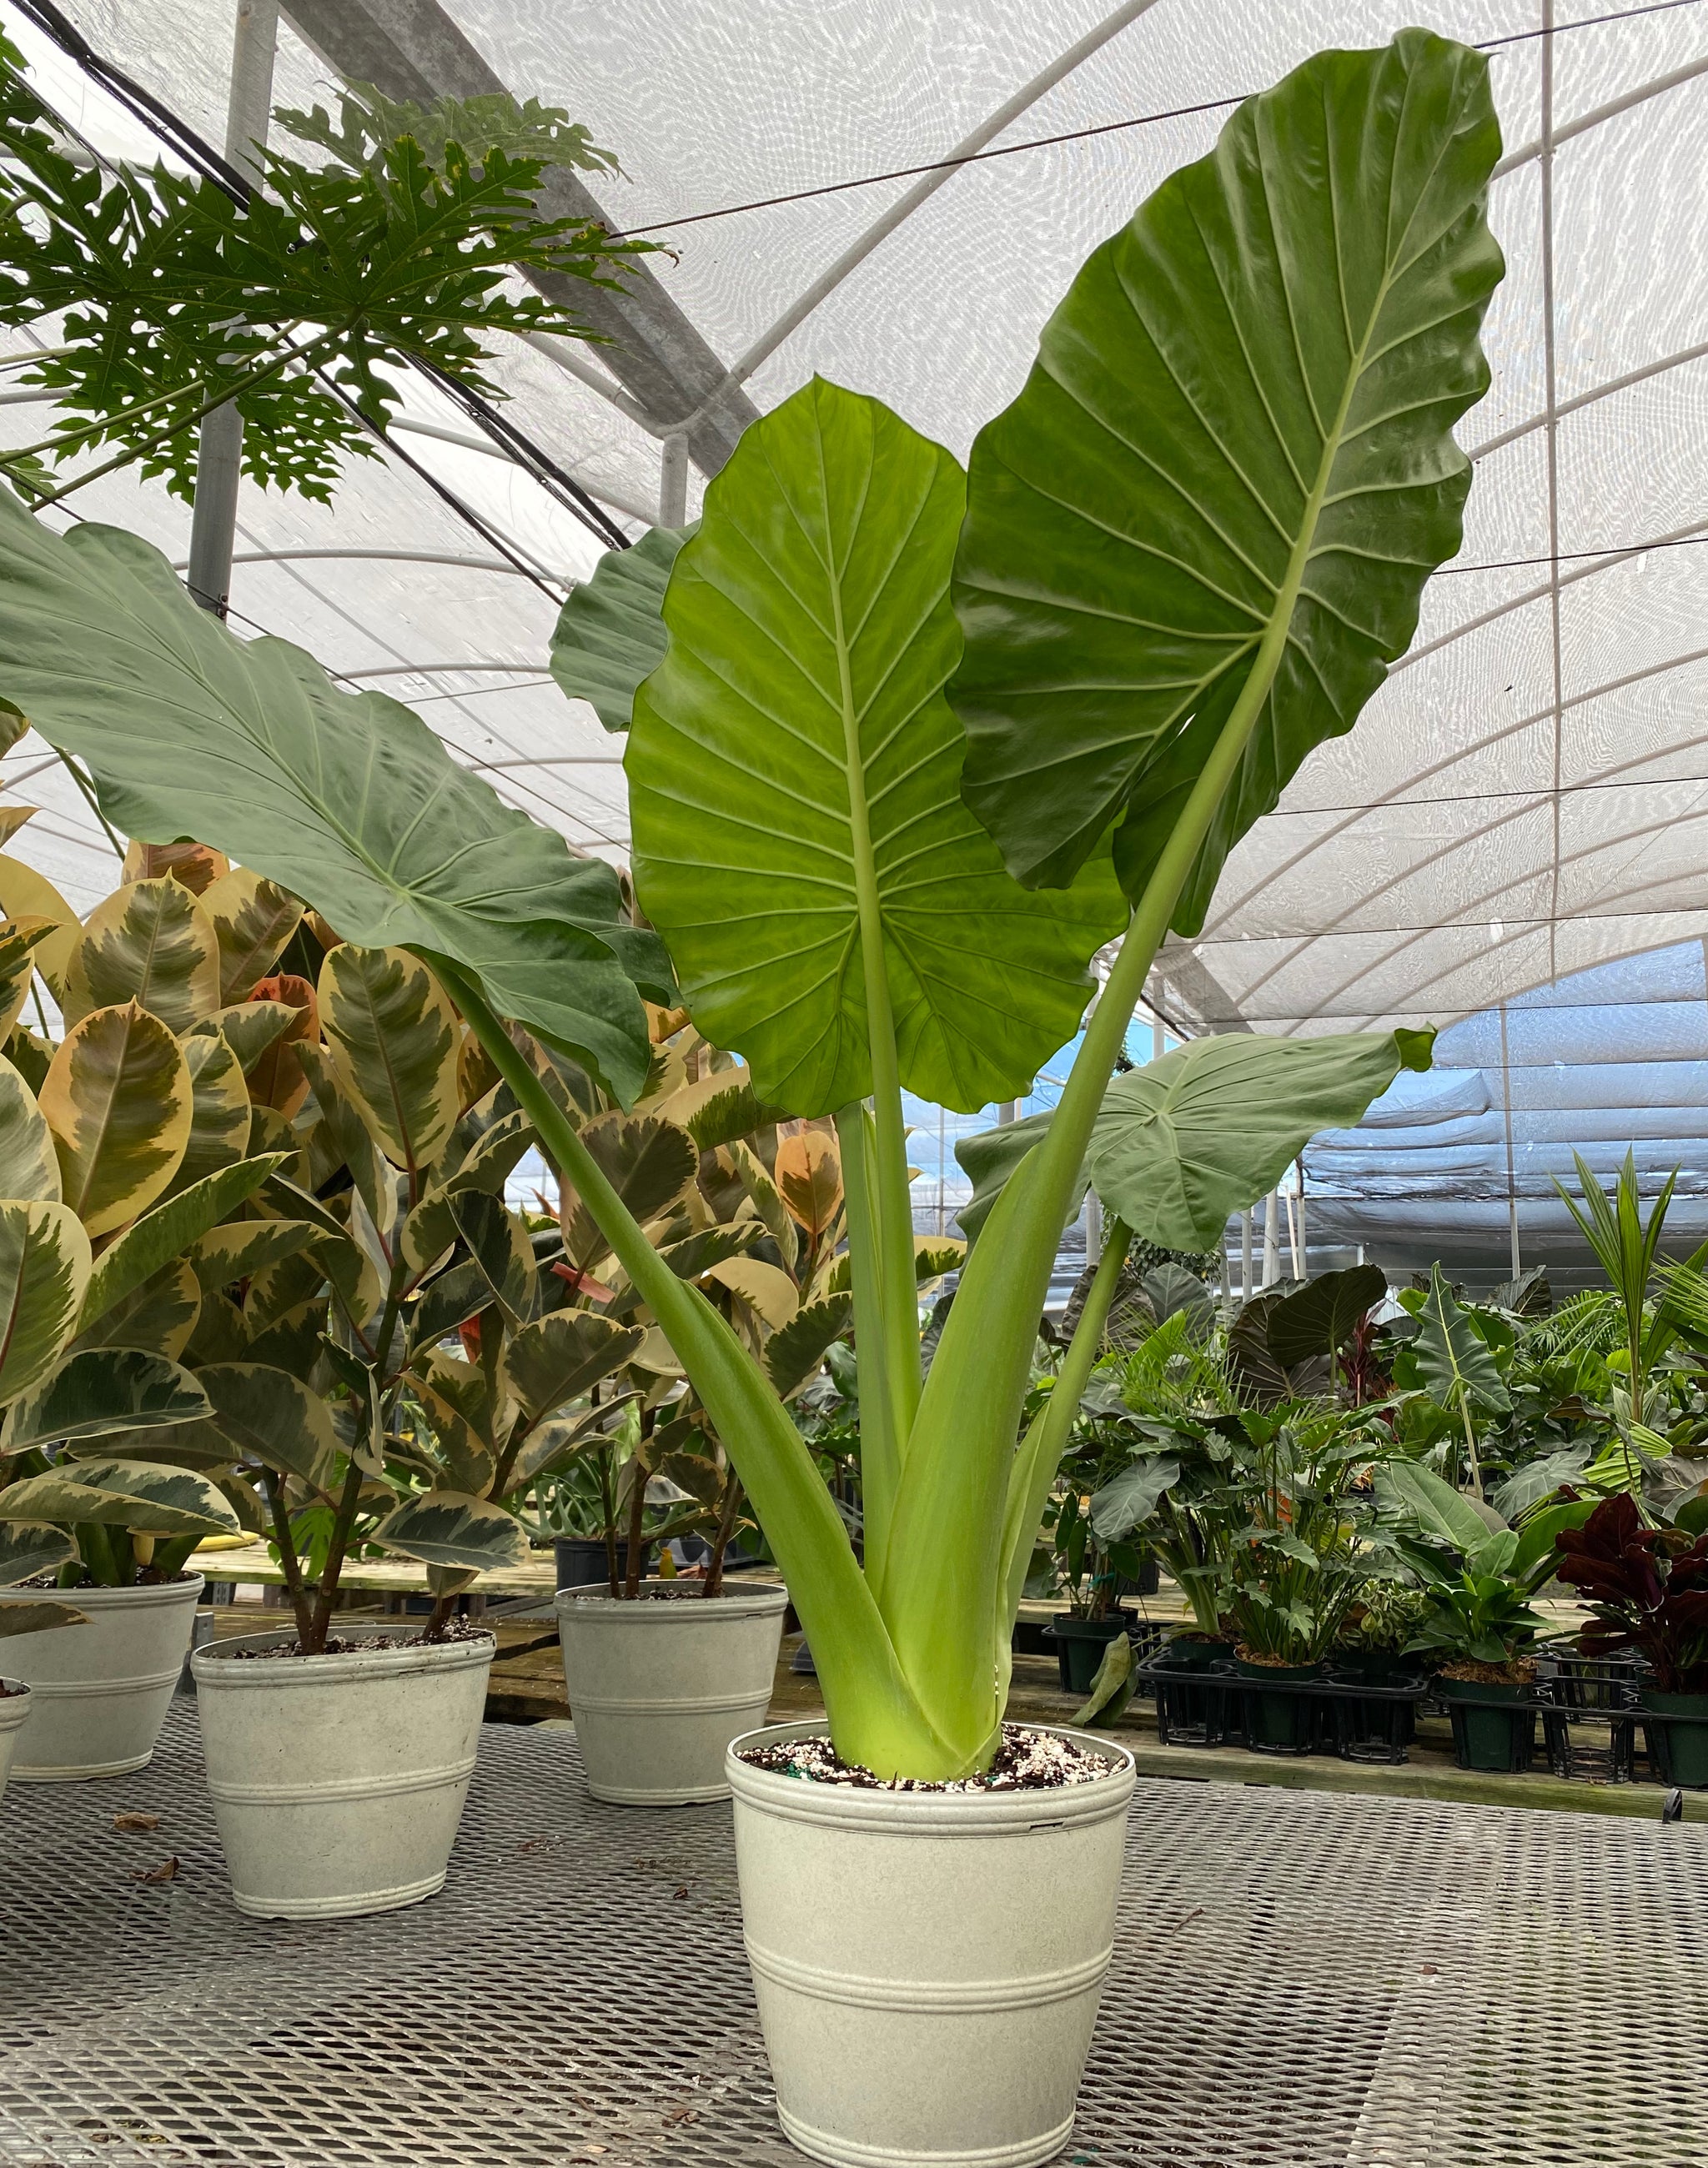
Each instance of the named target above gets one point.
<point>152,942</point>
<point>448,1528</point>
<point>610,634</point>
<point>28,1164</point>
<point>1112,1685</point>
<point>170,1229</point>
<point>1233,453</point>
<point>559,1357</point>
<point>1454,1361</point>
<point>44,1274</point>
<point>1130,1498</point>
<point>392,1036</point>
<point>99,1391</point>
<point>794,747</point>
<point>1443,1514</point>
<point>272,1417</point>
<point>253,919</point>
<point>117,1097</point>
<point>26,1550</point>
<point>1204,1131</point>
<point>124,1494</point>
<point>346,799</point>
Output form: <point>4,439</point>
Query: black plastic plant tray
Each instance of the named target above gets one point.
<point>1350,1719</point>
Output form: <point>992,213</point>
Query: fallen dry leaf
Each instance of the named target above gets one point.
<point>166,1871</point>
<point>683,2115</point>
<point>682,1890</point>
<point>129,1825</point>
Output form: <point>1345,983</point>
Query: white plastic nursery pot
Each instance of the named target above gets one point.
<point>338,1781</point>
<point>15,1699</point>
<point>657,1689</point>
<point>101,1691</point>
<point>927,1965</point>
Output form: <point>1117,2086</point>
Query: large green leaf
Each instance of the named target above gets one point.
<point>448,1528</point>
<point>28,1164</point>
<point>1320,1318</point>
<point>346,799</point>
<point>44,1274</point>
<point>171,1227</point>
<point>117,1097</point>
<point>795,772</point>
<point>125,1494</point>
<point>1456,1362</point>
<point>1232,457</point>
<point>1204,1131</point>
<point>1130,1498</point>
<point>96,1392</point>
<point>610,634</point>
<point>392,1034</point>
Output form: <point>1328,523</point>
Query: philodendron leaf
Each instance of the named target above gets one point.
<point>26,1550</point>
<point>149,942</point>
<point>28,1164</point>
<point>125,1494</point>
<point>1232,456</point>
<point>1203,1132</point>
<point>118,1099</point>
<point>271,1417</point>
<point>44,1273</point>
<point>99,1391</point>
<point>159,1235</point>
<point>449,1527</point>
<point>559,1357</point>
<point>1320,1318</point>
<point>610,633</point>
<point>20,939</point>
<point>252,918</point>
<point>794,750</point>
<point>345,800</point>
<point>392,1034</point>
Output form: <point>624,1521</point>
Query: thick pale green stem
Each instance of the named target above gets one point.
<point>881,1466</point>
<point>875,1717</point>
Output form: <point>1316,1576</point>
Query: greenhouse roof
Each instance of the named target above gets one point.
<point>1519,809</point>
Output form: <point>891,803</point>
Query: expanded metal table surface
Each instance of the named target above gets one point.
<point>1300,1981</point>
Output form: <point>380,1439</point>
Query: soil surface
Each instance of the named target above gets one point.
<point>350,1645</point>
<point>1027,1760</point>
<point>1519,1674</point>
<point>692,1592</point>
<point>11,1693</point>
<point>46,1585</point>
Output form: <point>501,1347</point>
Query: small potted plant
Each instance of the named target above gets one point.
<point>1648,1590</point>
<point>922,743</point>
<point>1479,1630</point>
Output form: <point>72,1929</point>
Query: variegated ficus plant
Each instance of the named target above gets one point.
<point>919,743</point>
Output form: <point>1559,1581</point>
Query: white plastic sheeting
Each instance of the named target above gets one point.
<point>1526,800</point>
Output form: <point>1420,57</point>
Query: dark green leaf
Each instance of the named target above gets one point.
<point>610,633</point>
<point>1320,1318</point>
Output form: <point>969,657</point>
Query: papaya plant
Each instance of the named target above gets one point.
<point>922,742</point>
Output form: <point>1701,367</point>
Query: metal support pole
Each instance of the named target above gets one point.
<point>1301,1247</point>
<point>219,458</point>
<point>673,482</point>
<point>1245,1257</point>
<point>1007,1112</point>
<point>1512,1187</point>
<point>1272,1229</point>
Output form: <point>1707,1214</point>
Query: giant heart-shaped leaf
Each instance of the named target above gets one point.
<point>346,799</point>
<point>794,779</point>
<point>1231,459</point>
<point>1321,1317</point>
<point>610,634</point>
<point>99,1391</point>
<point>149,942</point>
<point>125,1494</point>
<point>392,1034</point>
<point>28,1164</point>
<point>43,1272</point>
<point>118,1098</point>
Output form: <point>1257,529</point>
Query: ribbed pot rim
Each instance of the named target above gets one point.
<point>211,1666</point>
<point>14,1702</point>
<point>994,1814</point>
<point>139,1596</point>
<point>763,1601</point>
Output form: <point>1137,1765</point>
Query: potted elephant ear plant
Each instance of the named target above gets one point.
<point>921,744</point>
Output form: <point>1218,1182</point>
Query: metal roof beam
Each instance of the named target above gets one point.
<point>411,48</point>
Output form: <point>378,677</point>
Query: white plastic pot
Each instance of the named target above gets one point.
<point>14,1707</point>
<point>658,1688</point>
<point>927,1965</point>
<point>338,1781</point>
<point>101,1691</point>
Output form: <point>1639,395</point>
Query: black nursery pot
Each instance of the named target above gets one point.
<point>1494,1724</point>
<point>581,1562</point>
<point>1680,1738</point>
<point>1277,1722</point>
<point>1079,1644</point>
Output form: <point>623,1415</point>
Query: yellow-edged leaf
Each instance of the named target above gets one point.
<point>557,1358</point>
<point>219,1111</point>
<point>150,943</point>
<point>125,1494</point>
<point>393,1036</point>
<point>13,818</point>
<point>253,919</point>
<point>44,1264</point>
<point>118,1098</point>
<point>157,1316</point>
<point>765,1289</point>
<point>28,1164</point>
<point>20,939</point>
<point>26,894</point>
<point>194,866</point>
<point>272,1417</point>
<point>247,1246</point>
<point>808,1172</point>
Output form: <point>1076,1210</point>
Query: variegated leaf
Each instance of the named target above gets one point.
<point>38,1614</point>
<point>118,1099</point>
<point>248,1247</point>
<point>96,1392</point>
<point>194,866</point>
<point>26,1550</point>
<point>809,1174</point>
<point>159,1235</point>
<point>253,919</point>
<point>28,1164</point>
<point>26,894</point>
<point>158,1317</point>
<point>559,1357</point>
<point>220,1110</point>
<point>769,1293</point>
<point>650,1164</point>
<point>466,1460</point>
<point>273,1418</point>
<point>248,1027</point>
<point>276,1077</point>
<point>499,1246</point>
<point>449,1529</point>
<point>20,939</point>
<point>44,1273</point>
<point>139,1495</point>
<point>13,818</point>
<point>393,1037</point>
<point>150,943</point>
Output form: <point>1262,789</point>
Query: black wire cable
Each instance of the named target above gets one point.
<point>1099,128</point>
<point>203,158</point>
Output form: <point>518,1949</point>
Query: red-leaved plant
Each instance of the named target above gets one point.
<point>1648,1588</point>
